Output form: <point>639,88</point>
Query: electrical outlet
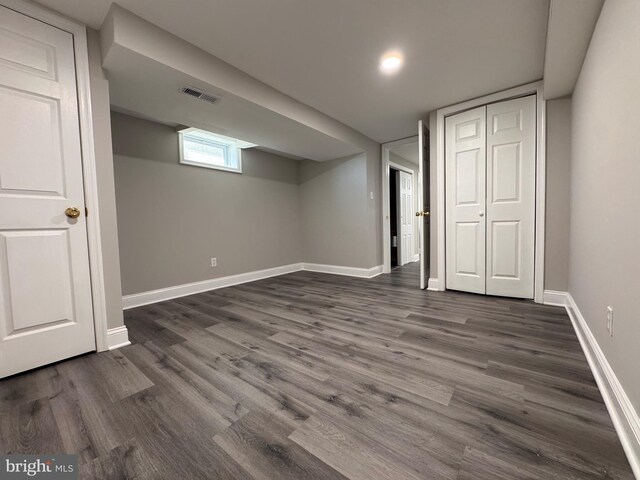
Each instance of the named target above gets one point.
<point>610,320</point>
<point>214,262</point>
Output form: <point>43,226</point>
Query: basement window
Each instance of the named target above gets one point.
<point>209,150</point>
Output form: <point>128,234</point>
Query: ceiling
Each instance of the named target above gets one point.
<point>143,87</point>
<point>325,53</point>
<point>408,151</point>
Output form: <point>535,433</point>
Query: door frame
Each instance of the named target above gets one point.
<point>535,88</point>
<point>90,179</point>
<point>386,225</point>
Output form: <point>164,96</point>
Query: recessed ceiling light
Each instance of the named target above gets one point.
<point>391,63</point>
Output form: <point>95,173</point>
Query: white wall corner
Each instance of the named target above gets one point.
<point>623,414</point>
<point>117,337</point>
<point>554,298</point>
<point>434,285</point>
<point>340,270</point>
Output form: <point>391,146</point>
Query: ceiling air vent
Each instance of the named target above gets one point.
<point>207,97</point>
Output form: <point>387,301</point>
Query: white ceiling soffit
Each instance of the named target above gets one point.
<point>571,25</point>
<point>408,151</point>
<point>147,68</point>
<point>325,53</point>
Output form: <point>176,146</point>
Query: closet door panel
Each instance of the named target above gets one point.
<point>465,158</point>
<point>511,153</point>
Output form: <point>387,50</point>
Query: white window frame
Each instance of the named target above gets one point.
<point>231,147</point>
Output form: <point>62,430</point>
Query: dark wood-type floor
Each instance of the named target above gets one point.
<point>312,376</point>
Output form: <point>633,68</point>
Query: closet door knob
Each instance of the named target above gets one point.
<point>481,214</point>
<point>72,212</point>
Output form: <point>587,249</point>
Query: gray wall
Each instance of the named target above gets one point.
<point>334,203</point>
<point>414,168</point>
<point>106,190</point>
<point>556,261</point>
<point>371,240</point>
<point>173,218</point>
<point>277,212</point>
<point>142,36</point>
<point>604,264</point>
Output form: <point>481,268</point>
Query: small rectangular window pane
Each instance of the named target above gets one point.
<point>201,151</point>
<point>205,149</point>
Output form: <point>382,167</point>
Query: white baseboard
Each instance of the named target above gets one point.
<point>154,296</point>
<point>624,416</point>
<point>340,270</point>
<point>555,298</point>
<point>162,294</point>
<point>434,285</point>
<point>117,337</point>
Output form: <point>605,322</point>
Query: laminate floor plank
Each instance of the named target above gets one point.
<point>19,389</point>
<point>418,384</point>
<point>229,379</point>
<point>284,354</point>
<point>390,430</point>
<point>203,403</point>
<point>352,454</point>
<point>177,310</point>
<point>260,444</point>
<point>310,376</point>
<point>30,428</point>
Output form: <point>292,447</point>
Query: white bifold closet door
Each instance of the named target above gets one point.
<point>490,199</point>
<point>465,156</point>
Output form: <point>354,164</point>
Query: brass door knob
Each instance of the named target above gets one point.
<point>422,214</point>
<point>72,212</point>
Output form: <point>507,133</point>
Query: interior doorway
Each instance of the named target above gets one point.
<point>393,216</point>
<point>402,204</point>
<point>401,197</point>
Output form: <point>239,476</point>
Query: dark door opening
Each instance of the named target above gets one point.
<point>393,215</point>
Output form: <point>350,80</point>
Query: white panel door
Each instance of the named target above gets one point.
<point>406,217</point>
<point>465,145</point>
<point>45,297</point>
<point>511,168</point>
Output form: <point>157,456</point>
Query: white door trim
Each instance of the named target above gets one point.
<point>386,226</point>
<point>529,89</point>
<point>88,155</point>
